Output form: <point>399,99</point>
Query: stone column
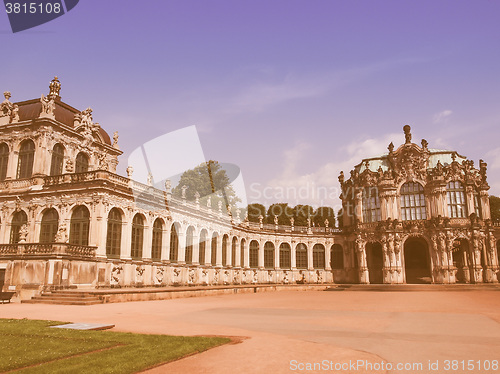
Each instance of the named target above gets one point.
<point>196,249</point>
<point>218,259</point>
<point>147,242</point>
<point>276,255</point>
<point>126,239</point>
<point>165,244</point>
<point>328,256</point>
<point>293,256</point>
<point>485,203</point>
<point>261,255</point>
<point>310,264</point>
<point>245,260</point>
<point>181,255</point>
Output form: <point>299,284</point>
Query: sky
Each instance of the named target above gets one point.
<point>290,91</point>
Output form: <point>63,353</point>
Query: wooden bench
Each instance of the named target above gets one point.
<point>6,296</point>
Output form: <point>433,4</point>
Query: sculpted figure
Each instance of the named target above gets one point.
<point>14,116</point>
<point>6,105</point>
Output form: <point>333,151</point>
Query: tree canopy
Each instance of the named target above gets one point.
<point>207,179</point>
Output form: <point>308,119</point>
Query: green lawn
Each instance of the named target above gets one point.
<point>32,345</point>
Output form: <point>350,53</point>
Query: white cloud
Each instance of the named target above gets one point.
<point>320,186</point>
<point>442,117</point>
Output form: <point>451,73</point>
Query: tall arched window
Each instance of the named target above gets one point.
<point>26,157</point>
<point>174,243</point>
<point>4,160</point>
<point>157,239</point>
<point>455,196</point>
<point>202,247</point>
<point>269,255</point>
<point>412,202</point>
<point>301,256</point>
<point>285,260</point>
<point>337,257</point>
<point>477,204</point>
<point>319,256</point>
<point>114,234</point>
<point>82,163</point>
<point>56,165</point>
<point>242,254</point>
<point>137,236</point>
<point>371,204</point>
<point>48,226</point>
<point>234,246</point>
<point>189,245</point>
<point>254,254</point>
<point>214,249</point>
<point>19,219</point>
<point>79,228</point>
<point>224,250</point>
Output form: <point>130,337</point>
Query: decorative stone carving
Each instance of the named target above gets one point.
<point>158,279</point>
<point>48,107</point>
<point>14,116</point>
<point>54,88</point>
<point>70,166</point>
<point>6,106</point>
<point>23,233</point>
<point>150,179</point>
<point>130,171</point>
<point>116,274</point>
<point>61,236</point>
<point>115,140</point>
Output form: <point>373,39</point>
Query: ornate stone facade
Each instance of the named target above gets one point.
<point>67,220</point>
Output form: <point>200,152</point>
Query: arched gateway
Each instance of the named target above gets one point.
<point>417,262</point>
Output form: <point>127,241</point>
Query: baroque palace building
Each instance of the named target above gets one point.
<point>413,215</point>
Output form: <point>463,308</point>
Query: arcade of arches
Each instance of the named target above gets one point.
<point>412,215</point>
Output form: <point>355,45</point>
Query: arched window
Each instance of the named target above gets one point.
<point>137,236</point>
<point>242,254</point>
<point>477,204</point>
<point>157,239</point>
<point>189,245</point>
<point>56,165</point>
<point>214,249</point>
<point>4,160</point>
<point>19,219</point>
<point>174,243</point>
<point>412,202</point>
<point>269,255</point>
<point>224,250</point>
<point>26,157</point>
<point>82,163</point>
<point>254,254</point>
<point>301,256</point>
<point>371,205</point>
<point>455,196</point>
<point>79,228</point>
<point>285,260</point>
<point>48,226</point>
<point>319,256</point>
<point>114,234</point>
<point>337,257</point>
<point>203,245</point>
<point>234,246</point>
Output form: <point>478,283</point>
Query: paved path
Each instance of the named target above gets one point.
<point>308,327</point>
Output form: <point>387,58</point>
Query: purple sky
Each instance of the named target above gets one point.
<point>291,91</point>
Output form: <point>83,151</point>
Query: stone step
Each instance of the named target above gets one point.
<point>62,302</point>
<point>66,298</point>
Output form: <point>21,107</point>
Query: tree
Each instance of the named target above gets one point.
<point>495,208</point>
<point>301,213</point>
<point>255,210</point>
<point>324,213</point>
<point>340,218</point>
<point>282,210</point>
<point>207,179</point>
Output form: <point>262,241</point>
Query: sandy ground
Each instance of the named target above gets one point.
<point>285,331</point>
